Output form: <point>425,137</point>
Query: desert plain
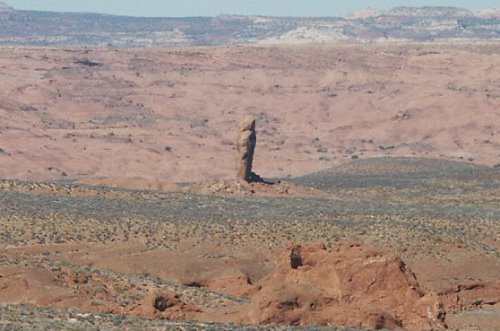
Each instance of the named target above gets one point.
<point>119,208</point>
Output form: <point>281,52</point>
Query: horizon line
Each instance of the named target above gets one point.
<point>383,11</point>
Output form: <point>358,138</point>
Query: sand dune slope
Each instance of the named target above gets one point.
<point>171,115</point>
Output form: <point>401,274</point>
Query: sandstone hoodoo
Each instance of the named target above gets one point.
<point>246,147</point>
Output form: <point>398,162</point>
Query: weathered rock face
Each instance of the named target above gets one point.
<point>246,148</point>
<point>163,305</point>
<point>352,285</point>
<point>295,258</point>
<point>471,296</point>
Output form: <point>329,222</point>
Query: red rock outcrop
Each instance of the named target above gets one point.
<point>351,285</point>
<point>471,296</point>
<point>163,305</point>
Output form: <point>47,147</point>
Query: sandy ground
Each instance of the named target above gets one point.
<point>199,253</point>
<point>146,119</point>
<point>171,115</point>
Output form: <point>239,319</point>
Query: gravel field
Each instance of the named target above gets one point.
<point>419,209</point>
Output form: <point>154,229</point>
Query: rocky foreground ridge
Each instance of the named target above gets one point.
<point>398,24</point>
<point>350,285</point>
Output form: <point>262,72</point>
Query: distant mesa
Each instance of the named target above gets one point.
<point>5,7</point>
<point>364,13</point>
<point>489,13</point>
<point>430,12</point>
<point>365,25</point>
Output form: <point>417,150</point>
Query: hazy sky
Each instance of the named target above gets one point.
<point>243,7</point>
